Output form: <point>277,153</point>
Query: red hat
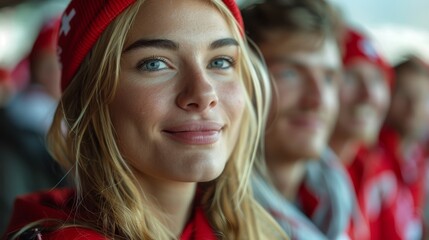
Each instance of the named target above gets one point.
<point>359,46</point>
<point>84,21</point>
<point>47,38</point>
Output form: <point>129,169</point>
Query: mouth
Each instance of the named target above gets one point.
<point>307,122</point>
<point>196,133</point>
<point>363,114</point>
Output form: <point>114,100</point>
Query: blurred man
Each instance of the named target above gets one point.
<point>33,108</point>
<point>298,42</point>
<point>364,99</point>
<point>402,139</point>
<point>6,87</point>
<point>25,164</point>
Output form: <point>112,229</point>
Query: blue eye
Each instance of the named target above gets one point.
<point>152,65</point>
<point>289,74</point>
<point>221,63</point>
<point>329,78</point>
<point>350,79</point>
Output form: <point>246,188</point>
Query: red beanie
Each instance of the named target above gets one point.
<point>358,46</point>
<point>47,38</point>
<point>84,21</point>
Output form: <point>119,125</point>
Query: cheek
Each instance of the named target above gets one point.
<point>127,106</point>
<point>380,99</point>
<point>232,97</point>
<point>330,100</point>
<point>287,96</point>
<point>137,108</point>
<point>347,95</point>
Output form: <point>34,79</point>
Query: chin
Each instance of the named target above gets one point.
<point>204,173</point>
<point>308,153</point>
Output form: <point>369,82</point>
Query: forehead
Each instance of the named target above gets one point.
<point>411,78</point>
<point>306,49</point>
<point>190,21</point>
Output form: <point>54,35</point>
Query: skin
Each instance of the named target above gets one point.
<point>409,109</point>
<point>179,103</point>
<point>306,80</point>
<point>47,72</point>
<point>364,99</point>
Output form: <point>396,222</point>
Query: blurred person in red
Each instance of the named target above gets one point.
<point>364,102</point>
<point>25,164</point>
<point>298,41</point>
<point>6,87</point>
<point>364,99</point>
<point>402,137</point>
<point>34,106</point>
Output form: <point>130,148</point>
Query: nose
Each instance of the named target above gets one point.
<point>364,90</point>
<point>197,92</point>
<point>311,92</point>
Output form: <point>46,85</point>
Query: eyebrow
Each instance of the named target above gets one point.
<point>298,64</point>
<point>168,44</point>
<point>224,42</point>
<point>154,43</point>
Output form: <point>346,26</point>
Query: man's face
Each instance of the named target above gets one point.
<point>306,75</point>
<point>410,103</point>
<point>364,99</point>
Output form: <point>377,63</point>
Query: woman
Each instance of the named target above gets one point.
<point>148,112</point>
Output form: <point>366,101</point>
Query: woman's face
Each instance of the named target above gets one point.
<point>179,102</point>
<point>364,99</point>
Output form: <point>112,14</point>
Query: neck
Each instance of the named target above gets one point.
<point>406,145</point>
<point>346,150</point>
<point>173,201</point>
<point>406,142</point>
<point>287,176</point>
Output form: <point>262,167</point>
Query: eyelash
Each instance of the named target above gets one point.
<point>230,60</point>
<point>143,62</point>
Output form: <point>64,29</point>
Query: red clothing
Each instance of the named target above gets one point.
<point>410,169</point>
<point>375,186</point>
<point>57,204</point>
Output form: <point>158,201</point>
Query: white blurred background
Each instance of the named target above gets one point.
<point>398,27</point>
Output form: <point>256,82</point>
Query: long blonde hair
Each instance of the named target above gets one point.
<point>82,139</point>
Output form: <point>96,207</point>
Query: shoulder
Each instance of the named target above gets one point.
<point>73,233</point>
<point>62,233</point>
<point>37,207</point>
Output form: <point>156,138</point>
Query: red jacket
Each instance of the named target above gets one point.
<point>406,212</point>
<point>375,186</point>
<point>57,204</point>
<point>411,169</point>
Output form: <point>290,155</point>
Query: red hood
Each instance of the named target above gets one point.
<point>58,204</point>
<point>55,204</point>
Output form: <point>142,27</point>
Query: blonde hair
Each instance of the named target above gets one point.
<point>82,139</point>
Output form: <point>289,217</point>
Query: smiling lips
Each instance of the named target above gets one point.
<point>195,133</point>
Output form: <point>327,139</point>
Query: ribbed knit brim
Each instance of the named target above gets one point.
<point>82,24</point>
